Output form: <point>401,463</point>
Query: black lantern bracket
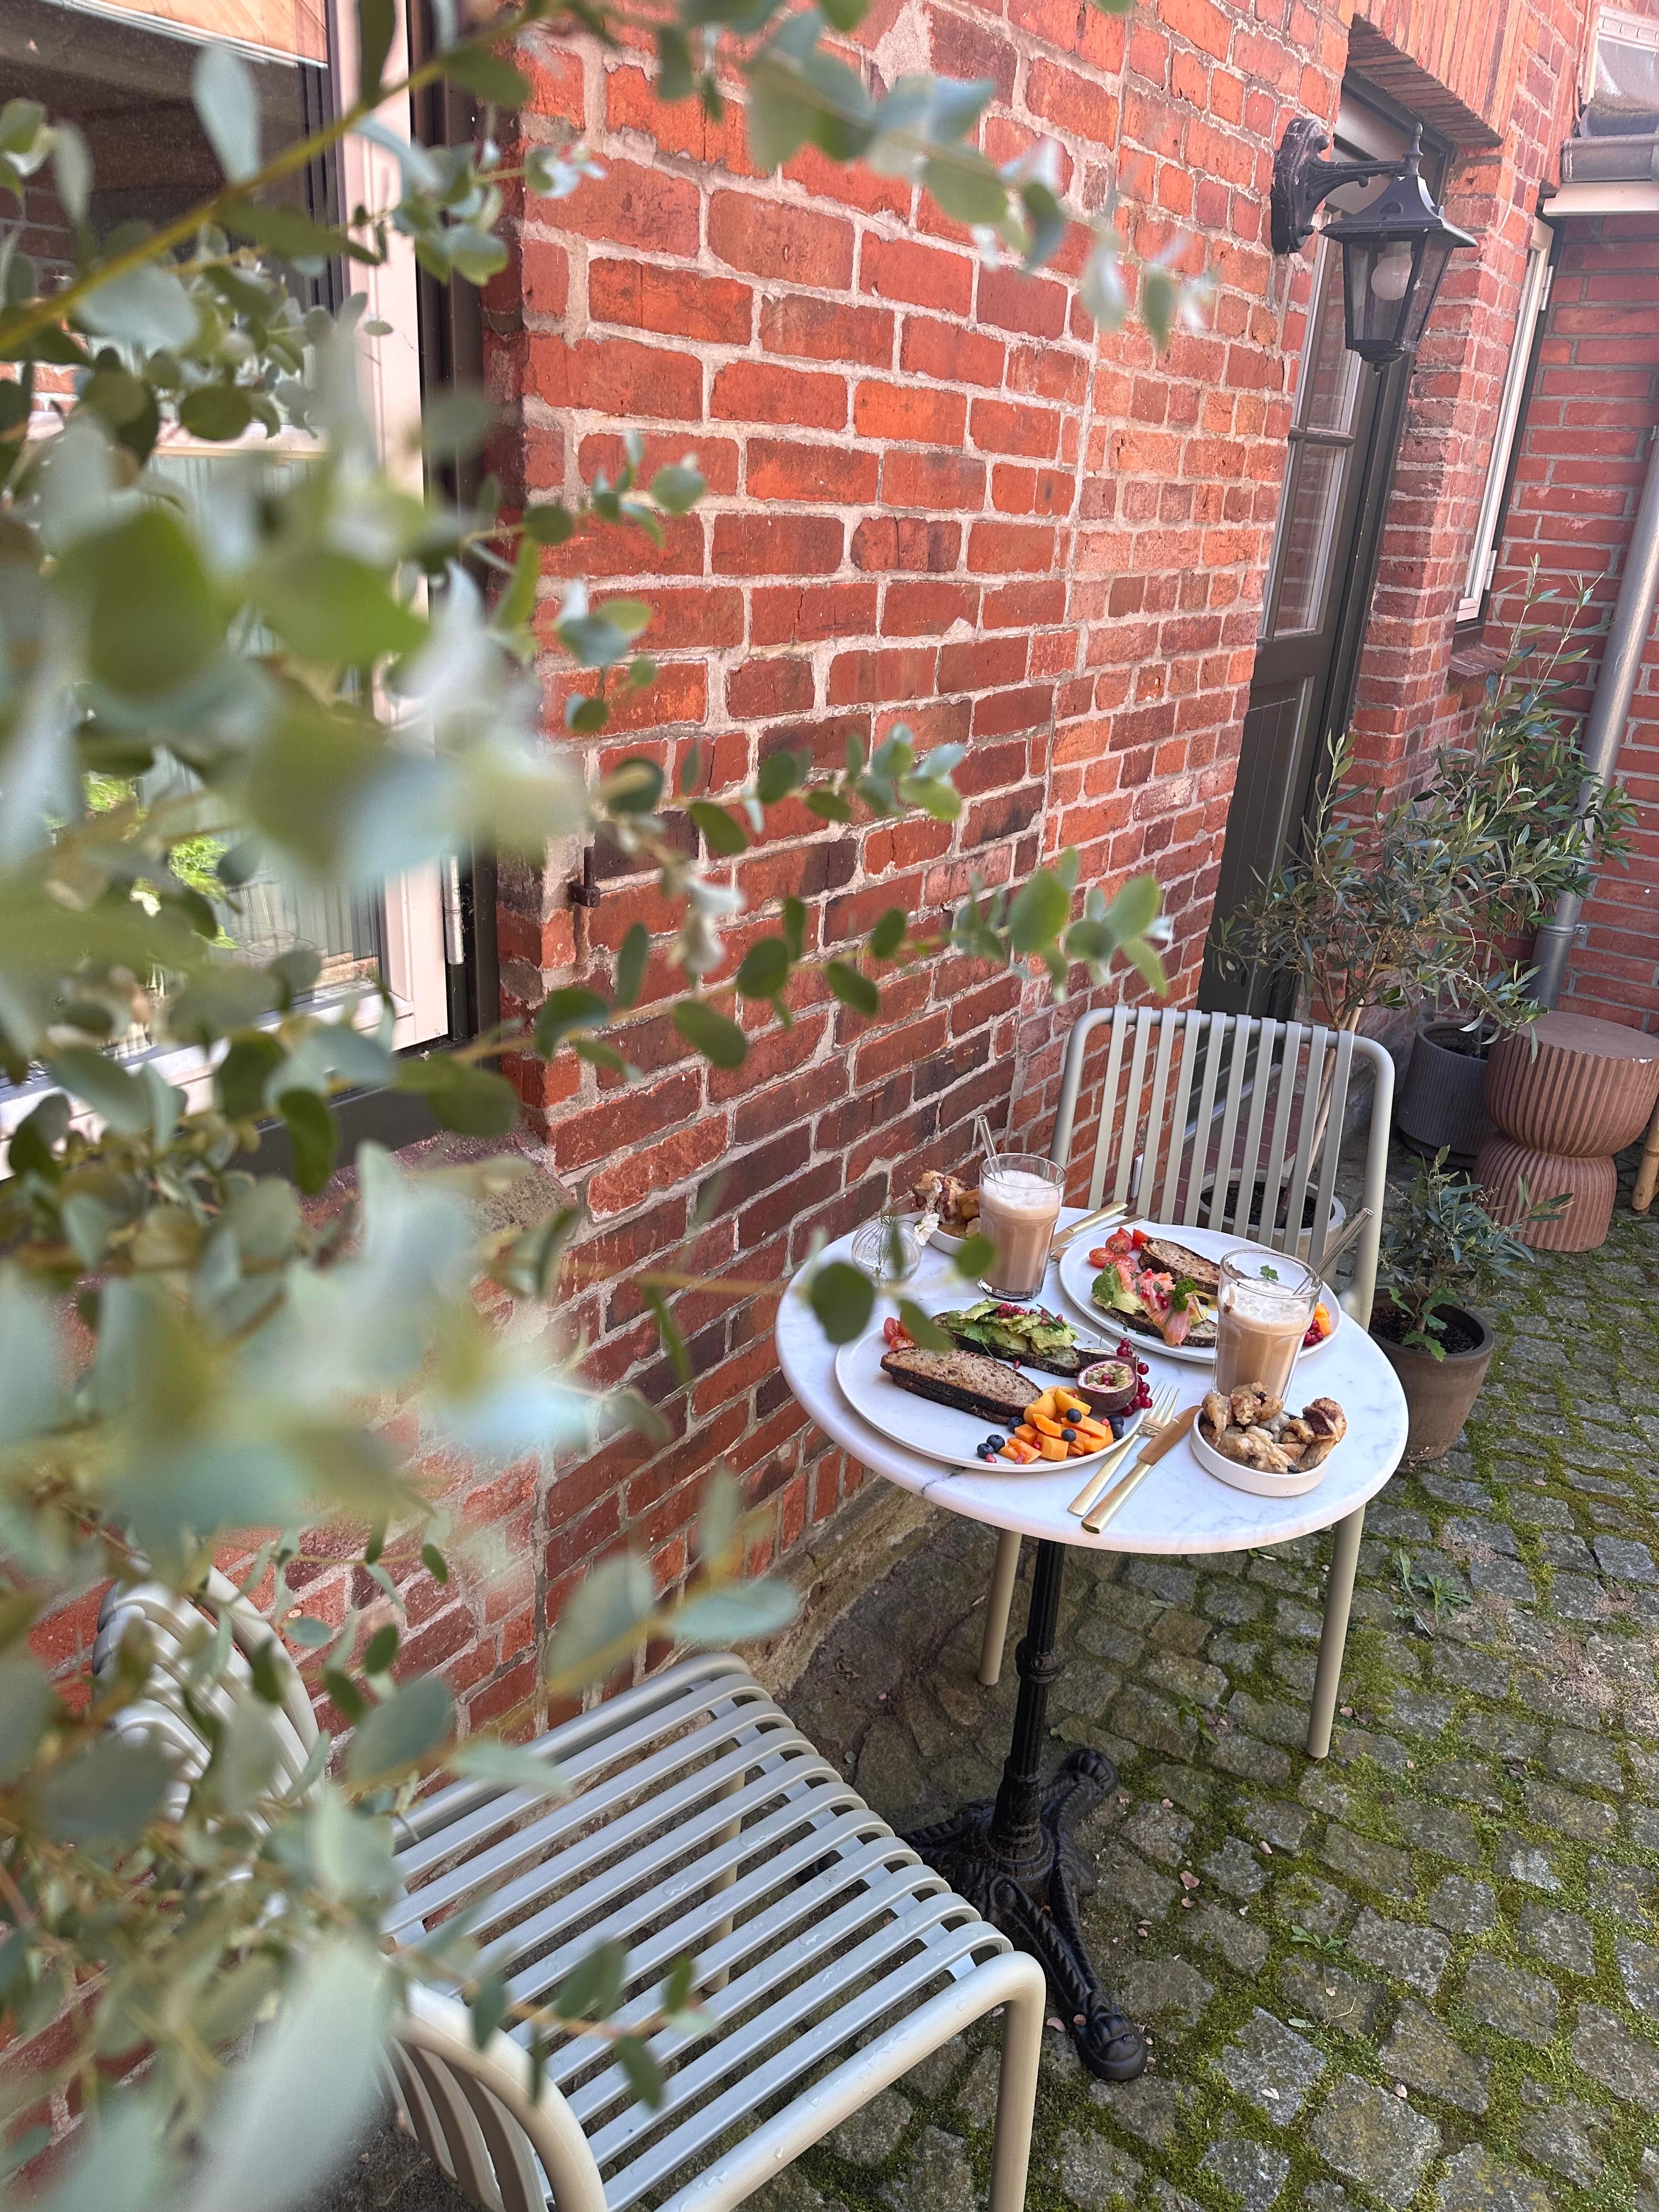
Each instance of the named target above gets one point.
<point>1302,180</point>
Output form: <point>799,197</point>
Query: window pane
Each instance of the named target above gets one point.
<point>126,81</point>
<point>1305,535</point>
<point>1330,372</point>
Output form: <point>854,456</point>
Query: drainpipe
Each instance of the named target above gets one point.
<point>1604,726</point>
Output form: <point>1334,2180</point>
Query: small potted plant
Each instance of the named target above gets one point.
<point>1441,1254</point>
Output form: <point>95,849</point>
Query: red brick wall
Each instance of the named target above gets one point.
<point>936,498</point>
<point>1592,418</point>
<point>939,497</point>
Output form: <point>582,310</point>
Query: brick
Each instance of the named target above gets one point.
<point>1070,102</point>
<point>926,275</point>
<point>963,48</point>
<point>635,206</point>
<point>545,276</point>
<point>757,391</point>
<point>1016,302</point>
<point>781,545</point>
<point>933,479</point>
<point>754,231</point>
<point>908,412</point>
<point>679,302</point>
<point>827,330</point>
<point>947,351</point>
<point>802,614</point>
<point>770,687</point>
<point>889,542</point>
<point>999,428</point>
<point>617,377</point>
<point>914,610</point>
<point>781,470</point>
<point>1000,547</point>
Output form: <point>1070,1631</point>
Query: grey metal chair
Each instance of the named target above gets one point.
<point>693,1817</point>
<point>1223,1122</point>
<point>686,1815</point>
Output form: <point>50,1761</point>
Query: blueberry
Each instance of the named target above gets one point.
<point>995,1442</point>
<point>1069,1436</point>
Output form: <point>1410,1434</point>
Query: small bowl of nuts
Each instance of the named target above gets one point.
<point>953,1204</point>
<point>1249,1440</point>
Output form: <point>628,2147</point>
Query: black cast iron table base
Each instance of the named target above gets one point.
<point>1014,1860</point>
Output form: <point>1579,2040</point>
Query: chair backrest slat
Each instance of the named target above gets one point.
<point>1176,1150</point>
<point>1297,1191</point>
<point>1341,1075</point>
<point>1214,1052</point>
<point>1108,1107</point>
<point>1250,1160</point>
<point>1131,1125</point>
<point>1272,1167</point>
<point>1238,1062</point>
<point>1151,1142</point>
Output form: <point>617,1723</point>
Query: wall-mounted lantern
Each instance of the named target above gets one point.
<point>1394,250</point>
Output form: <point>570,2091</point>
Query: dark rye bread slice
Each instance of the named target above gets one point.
<point>970,1381</point>
<point>1165,1258</point>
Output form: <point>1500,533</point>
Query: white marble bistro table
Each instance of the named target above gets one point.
<point>1013,1857</point>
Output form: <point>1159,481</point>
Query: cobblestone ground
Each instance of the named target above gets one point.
<point>1423,1974</point>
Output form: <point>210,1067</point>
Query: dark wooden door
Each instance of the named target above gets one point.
<point>1343,438</point>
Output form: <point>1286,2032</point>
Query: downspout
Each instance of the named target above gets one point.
<point>1604,725</point>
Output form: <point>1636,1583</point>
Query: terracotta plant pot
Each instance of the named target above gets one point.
<point>1441,1101</point>
<point>1438,1392</point>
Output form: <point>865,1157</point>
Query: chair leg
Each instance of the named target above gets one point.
<point>1021,2049</point>
<point>998,1607</point>
<point>1334,1637</point>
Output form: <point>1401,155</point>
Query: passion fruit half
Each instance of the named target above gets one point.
<point>1110,1386</point>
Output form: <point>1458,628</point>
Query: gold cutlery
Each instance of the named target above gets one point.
<point>1073,1229</point>
<point>1144,1425</point>
<point>1165,1441</point>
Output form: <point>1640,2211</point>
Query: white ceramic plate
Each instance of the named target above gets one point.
<point>1077,1278</point>
<point>1259,1481</point>
<point>936,1431</point>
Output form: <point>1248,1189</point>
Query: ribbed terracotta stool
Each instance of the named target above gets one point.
<point>1561,1116</point>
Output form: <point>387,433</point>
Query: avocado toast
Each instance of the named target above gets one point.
<point>1031,1336</point>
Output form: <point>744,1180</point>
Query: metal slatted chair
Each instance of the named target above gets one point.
<point>687,1814</point>
<point>181,1634</point>
<point>1241,1132</point>
<point>695,1818</point>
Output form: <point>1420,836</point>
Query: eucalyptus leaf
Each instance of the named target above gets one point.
<point>843,1298</point>
<point>408,1728</point>
<point>227,103</point>
<point>716,1036</point>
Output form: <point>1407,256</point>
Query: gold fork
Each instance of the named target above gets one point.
<point>1157,1414</point>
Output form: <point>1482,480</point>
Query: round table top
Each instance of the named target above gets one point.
<point>1179,1510</point>
<point>1589,1036</point>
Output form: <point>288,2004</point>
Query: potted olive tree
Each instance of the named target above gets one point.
<point>1442,1254</point>
<point>1544,845</point>
<point>1417,902</point>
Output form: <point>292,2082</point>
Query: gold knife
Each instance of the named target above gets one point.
<point>1073,1229</point>
<point>1165,1441</point>
<point>1089,1493</point>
